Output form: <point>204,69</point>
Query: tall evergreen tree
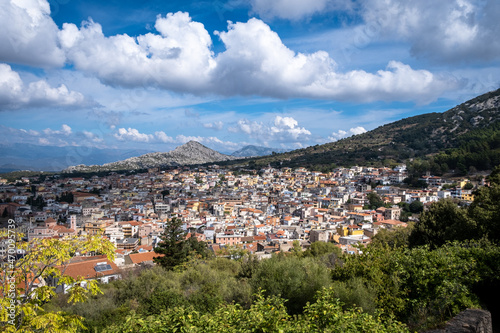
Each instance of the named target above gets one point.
<point>175,247</point>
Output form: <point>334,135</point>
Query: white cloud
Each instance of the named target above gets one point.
<point>340,134</point>
<point>163,137</point>
<point>93,137</point>
<point>65,130</point>
<point>454,30</point>
<point>14,94</point>
<point>28,34</point>
<point>281,130</point>
<point>255,62</point>
<point>216,125</point>
<point>178,56</point>
<point>287,127</point>
<point>132,134</point>
<point>48,136</point>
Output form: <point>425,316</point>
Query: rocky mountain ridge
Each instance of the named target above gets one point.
<point>189,153</point>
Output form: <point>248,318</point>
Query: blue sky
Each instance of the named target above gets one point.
<point>284,73</point>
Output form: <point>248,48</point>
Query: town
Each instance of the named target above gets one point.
<point>260,212</point>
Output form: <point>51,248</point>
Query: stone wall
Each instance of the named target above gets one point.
<point>468,321</point>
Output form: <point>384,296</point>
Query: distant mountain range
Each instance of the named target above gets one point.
<point>188,154</point>
<point>252,151</point>
<point>21,156</point>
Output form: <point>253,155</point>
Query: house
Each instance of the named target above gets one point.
<point>127,243</point>
<point>318,235</point>
<point>90,268</point>
<point>392,213</point>
<point>49,228</point>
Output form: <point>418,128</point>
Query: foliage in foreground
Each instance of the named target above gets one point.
<point>267,314</point>
<point>424,287</point>
<point>21,303</point>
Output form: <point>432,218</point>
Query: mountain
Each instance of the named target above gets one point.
<point>251,151</point>
<point>418,136</point>
<point>20,156</point>
<point>189,153</point>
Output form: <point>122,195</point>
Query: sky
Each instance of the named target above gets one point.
<point>155,74</point>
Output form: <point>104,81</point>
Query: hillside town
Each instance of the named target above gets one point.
<point>260,212</point>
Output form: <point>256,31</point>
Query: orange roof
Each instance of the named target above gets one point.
<point>86,268</point>
<point>137,258</point>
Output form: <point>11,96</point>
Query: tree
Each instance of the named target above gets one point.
<point>318,249</point>
<point>485,209</point>
<point>375,200</point>
<point>395,238</point>
<point>21,301</point>
<point>295,279</point>
<point>174,246</point>
<point>416,207</point>
<point>444,221</point>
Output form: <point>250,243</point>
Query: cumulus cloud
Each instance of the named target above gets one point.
<point>65,130</point>
<point>283,130</point>
<point>255,62</point>
<point>163,137</point>
<point>455,30</point>
<point>178,56</point>
<point>340,134</point>
<point>14,94</point>
<point>132,134</point>
<point>288,128</point>
<point>92,137</point>
<point>64,136</point>
<point>28,34</point>
<point>443,31</point>
<point>216,125</point>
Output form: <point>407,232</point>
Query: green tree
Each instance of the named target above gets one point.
<point>485,209</point>
<point>295,279</point>
<point>164,193</point>
<point>174,246</point>
<point>395,238</point>
<point>43,259</point>
<point>375,200</point>
<point>443,222</point>
<point>319,249</point>
<point>416,207</point>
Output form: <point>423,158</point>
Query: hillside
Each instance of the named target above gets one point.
<point>189,153</point>
<point>418,136</point>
